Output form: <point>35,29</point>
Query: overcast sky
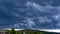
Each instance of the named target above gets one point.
<point>30,14</point>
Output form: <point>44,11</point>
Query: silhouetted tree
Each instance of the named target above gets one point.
<point>12,31</point>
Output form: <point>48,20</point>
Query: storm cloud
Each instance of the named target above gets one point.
<point>29,14</point>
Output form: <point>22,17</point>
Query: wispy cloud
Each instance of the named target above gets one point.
<point>44,20</point>
<point>39,7</point>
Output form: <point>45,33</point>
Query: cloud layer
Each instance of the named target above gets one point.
<point>29,14</point>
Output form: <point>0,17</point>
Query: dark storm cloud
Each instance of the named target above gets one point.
<point>48,11</point>
<point>25,14</point>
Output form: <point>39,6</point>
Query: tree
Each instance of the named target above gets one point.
<point>12,31</point>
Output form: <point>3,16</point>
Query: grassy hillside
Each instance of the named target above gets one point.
<point>28,31</point>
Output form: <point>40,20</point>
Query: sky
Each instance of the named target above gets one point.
<point>39,14</point>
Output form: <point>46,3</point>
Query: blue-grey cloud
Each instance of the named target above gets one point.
<point>29,14</point>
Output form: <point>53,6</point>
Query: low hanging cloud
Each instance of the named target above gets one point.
<point>34,23</point>
<point>28,24</point>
